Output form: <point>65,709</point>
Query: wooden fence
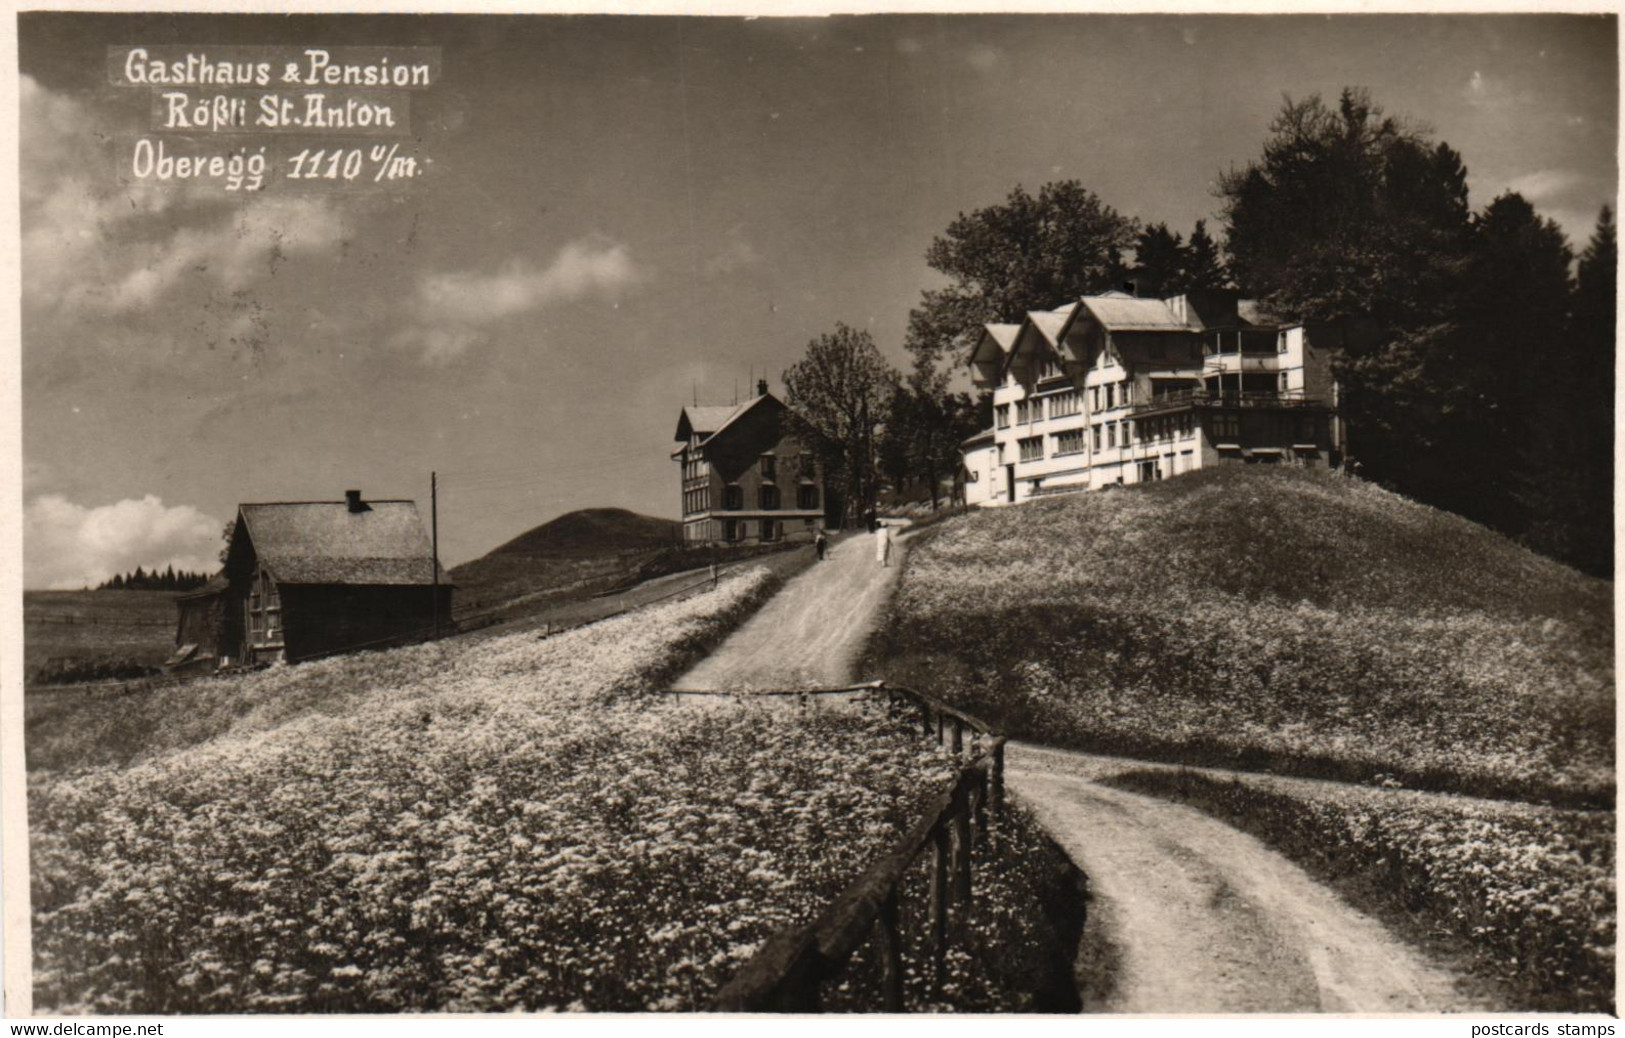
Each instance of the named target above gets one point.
<point>784,976</point>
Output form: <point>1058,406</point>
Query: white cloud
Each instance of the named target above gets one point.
<point>983,57</point>
<point>1489,92</point>
<point>67,545</point>
<point>1569,197</point>
<point>452,311</point>
<point>738,254</point>
<point>1545,185</point>
<point>91,244</point>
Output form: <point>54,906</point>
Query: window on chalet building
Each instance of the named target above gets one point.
<point>1065,405</point>
<point>770,529</point>
<point>767,497</point>
<point>1128,393</point>
<point>1111,434</point>
<point>1032,448</point>
<point>1069,442</point>
<point>1097,436</point>
<point>1111,392</point>
<point>1001,416</point>
<point>730,530</point>
<point>733,497</point>
<point>1094,398</point>
<point>769,467</point>
<point>806,497</point>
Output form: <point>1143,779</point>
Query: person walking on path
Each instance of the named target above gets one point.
<point>821,543</point>
<point>883,545</point>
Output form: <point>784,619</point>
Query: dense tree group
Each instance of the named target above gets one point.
<point>1486,384</point>
<point>1481,380</point>
<point>141,580</point>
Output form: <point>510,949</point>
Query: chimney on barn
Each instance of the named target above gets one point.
<point>1132,288</point>
<point>353,499</point>
<point>761,387</point>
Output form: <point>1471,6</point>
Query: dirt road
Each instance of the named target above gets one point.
<point>1206,919</point>
<point>1200,917</point>
<point>810,633</point>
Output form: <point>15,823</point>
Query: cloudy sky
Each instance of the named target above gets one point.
<point>623,212</point>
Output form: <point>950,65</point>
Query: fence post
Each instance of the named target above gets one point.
<point>961,816</point>
<point>939,904</point>
<point>979,815</point>
<point>925,717</point>
<point>942,729</point>
<point>996,789</point>
<point>959,737</point>
<point>891,955</point>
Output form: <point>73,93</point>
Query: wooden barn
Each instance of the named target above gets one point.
<point>203,627</point>
<point>309,578</point>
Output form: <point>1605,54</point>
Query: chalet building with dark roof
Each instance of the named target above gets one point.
<point>746,477</point>
<point>1117,389</point>
<point>309,578</point>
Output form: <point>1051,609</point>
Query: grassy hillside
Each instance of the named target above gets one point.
<point>466,825</point>
<point>1269,619</point>
<point>68,631</point>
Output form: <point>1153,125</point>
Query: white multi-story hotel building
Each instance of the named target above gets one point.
<point>1115,389</point>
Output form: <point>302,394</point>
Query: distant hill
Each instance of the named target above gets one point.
<point>594,531</point>
<point>573,556</point>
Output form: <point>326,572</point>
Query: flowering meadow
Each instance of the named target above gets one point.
<point>1271,619</point>
<point>1531,888</point>
<point>477,824</point>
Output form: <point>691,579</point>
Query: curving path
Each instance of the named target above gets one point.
<point>808,635</point>
<point>1207,919</point>
<point>1199,917</point>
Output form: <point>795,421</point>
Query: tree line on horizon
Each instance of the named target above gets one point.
<point>1486,390</point>
<point>139,579</point>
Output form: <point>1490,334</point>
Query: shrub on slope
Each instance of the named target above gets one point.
<point>1269,619</point>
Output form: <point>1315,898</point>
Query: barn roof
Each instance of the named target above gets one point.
<point>217,585</point>
<point>323,542</point>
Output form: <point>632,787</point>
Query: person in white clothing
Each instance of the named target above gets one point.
<point>883,545</point>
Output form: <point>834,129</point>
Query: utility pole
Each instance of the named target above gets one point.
<point>434,547</point>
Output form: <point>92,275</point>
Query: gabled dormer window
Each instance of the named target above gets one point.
<point>769,467</point>
<point>733,497</point>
